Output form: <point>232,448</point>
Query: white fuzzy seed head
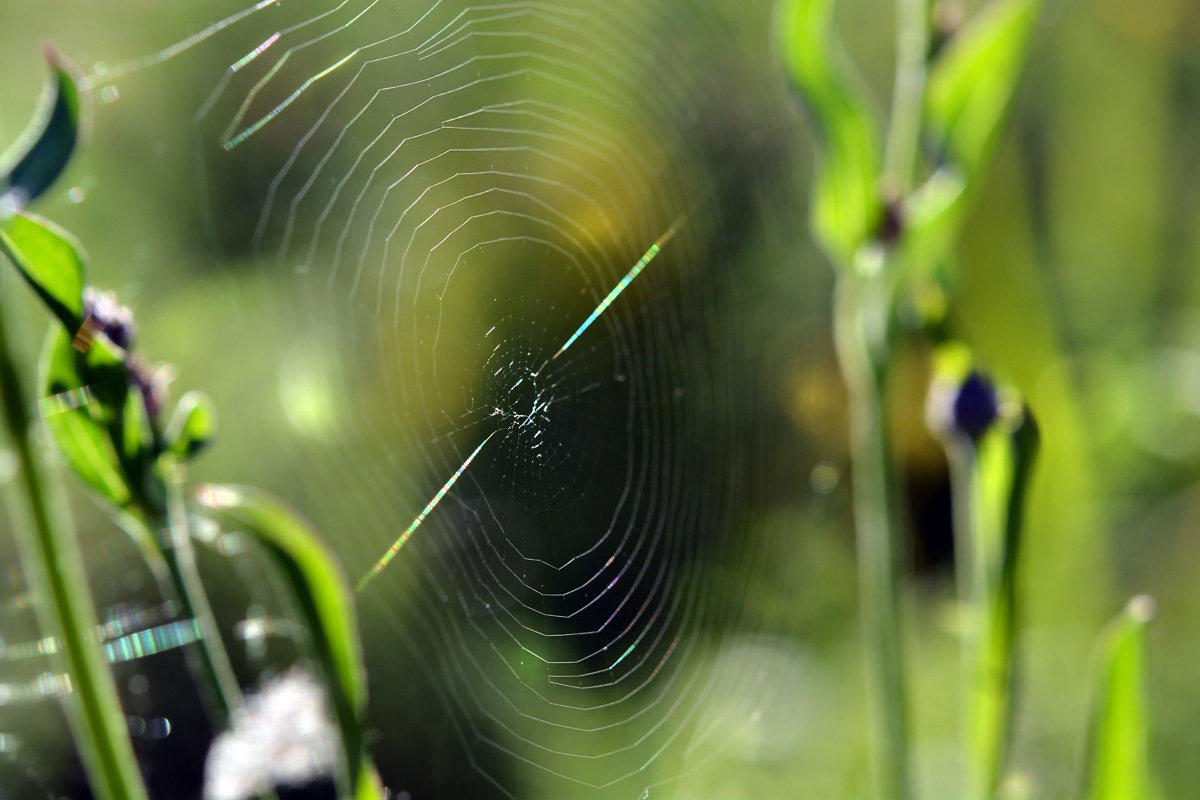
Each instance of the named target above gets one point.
<point>284,736</point>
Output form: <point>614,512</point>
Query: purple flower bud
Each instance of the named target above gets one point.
<point>976,406</point>
<point>106,315</point>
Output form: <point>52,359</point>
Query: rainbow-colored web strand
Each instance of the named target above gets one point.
<point>108,75</point>
<point>416,523</point>
<point>234,141</point>
<point>153,640</point>
<point>621,285</point>
<point>437,498</point>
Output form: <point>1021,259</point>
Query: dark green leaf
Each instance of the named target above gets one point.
<point>193,425</point>
<point>103,367</point>
<point>49,259</point>
<point>846,207</point>
<point>136,435</point>
<point>322,593</point>
<point>138,448</point>
<point>1118,766</point>
<point>44,151</point>
<point>77,421</point>
<point>971,84</point>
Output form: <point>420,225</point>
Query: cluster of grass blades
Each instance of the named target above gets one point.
<point>107,417</point>
<point>886,209</point>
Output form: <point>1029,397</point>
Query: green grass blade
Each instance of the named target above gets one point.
<point>934,216</point>
<point>1118,759</point>
<point>1005,464</point>
<point>325,601</point>
<point>53,567</point>
<point>846,208</point>
<point>49,259</point>
<point>969,91</point>
<point>971,84</point>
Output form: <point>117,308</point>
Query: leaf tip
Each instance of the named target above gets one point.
<point>1142,608</point>
<point>51,54</point>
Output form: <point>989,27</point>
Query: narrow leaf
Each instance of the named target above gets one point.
<point>138,448</point>
<point>323,595</point>
<point>934,214</point>
<point>846,207</point>
<point>1005,462</point>
<point>43,152</point>
<point>77,420</point>
<point>49,259</point>
<point>1118,767</point>
<point>971,84</point>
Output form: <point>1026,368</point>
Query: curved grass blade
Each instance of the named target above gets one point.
<point>43,152</point>
<point>325,601</point>
<point>934,216</point>
<point>971,84</point>
<point>846,208</point>
<point>193,426</point>
<point>970,89</point>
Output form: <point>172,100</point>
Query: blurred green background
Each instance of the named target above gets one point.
<point>1077,283</point>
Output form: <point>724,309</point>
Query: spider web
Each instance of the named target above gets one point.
<point>549,435</point>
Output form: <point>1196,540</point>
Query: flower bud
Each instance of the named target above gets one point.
<point>104,314</point>
<point>976,406</point>
<point>967,409</point>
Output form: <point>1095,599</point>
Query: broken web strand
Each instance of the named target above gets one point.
<point>104,76</point>
<point>636,270</point>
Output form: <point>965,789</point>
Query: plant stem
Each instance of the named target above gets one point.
<point>989,480</point>
<point>908,94</point>
<point>973,555</point>
<point>54,569</point>
<point>861,310</point>
<point>209,661</point>
<point>219,682</point>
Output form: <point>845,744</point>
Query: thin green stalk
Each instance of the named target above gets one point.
<point>908,94</point>
<point>985,668</point>
<point>860,323</point>
<point>53,567</point>
<point>989,479</point>
<point>219,682</point>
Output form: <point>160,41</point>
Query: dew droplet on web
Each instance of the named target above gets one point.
<point>138,684</point>
<point>158,728</point>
